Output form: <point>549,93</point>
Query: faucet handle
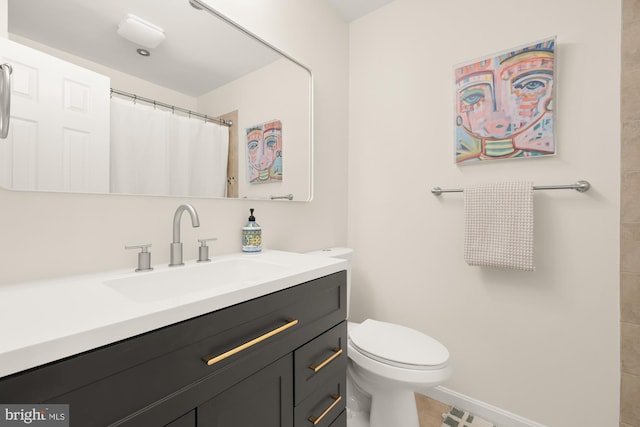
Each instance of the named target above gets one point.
<point>144,256</point>
<point>203,250</point>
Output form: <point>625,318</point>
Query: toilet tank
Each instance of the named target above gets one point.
<point>342,253</point>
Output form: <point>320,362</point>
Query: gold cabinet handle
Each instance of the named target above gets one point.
<point>336,354</point>
<point>316,420</point>
<point>211,359</point>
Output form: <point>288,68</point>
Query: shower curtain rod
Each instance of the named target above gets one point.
<point>580,186</point>
<point>135,98</point>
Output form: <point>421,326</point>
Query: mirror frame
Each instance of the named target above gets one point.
<point>309,159</point>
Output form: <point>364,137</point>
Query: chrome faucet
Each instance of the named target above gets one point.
<point>176,246</point>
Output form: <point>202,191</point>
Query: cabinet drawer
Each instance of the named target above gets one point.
<point>323,405</point>
<point>320,360</point>
<point>130,379</point>
<point>341,421</point>
<point>187,420</point>
<point>263,399</point>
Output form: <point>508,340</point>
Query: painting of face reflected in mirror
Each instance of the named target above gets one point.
<point>149,98</point>
<point>264,152</point>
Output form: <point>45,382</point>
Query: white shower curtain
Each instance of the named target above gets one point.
<point>156,152</point>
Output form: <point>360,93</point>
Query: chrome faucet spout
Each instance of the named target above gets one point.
<point>176,245</point>
<point>195,221</point>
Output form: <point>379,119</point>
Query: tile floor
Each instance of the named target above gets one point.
<point>430,411</point>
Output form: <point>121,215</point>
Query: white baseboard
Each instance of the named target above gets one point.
<point>498,416</point>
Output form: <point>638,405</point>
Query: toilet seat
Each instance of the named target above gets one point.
<point>398,346</point>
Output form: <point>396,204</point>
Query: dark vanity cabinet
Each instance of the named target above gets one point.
<point>275,361</point>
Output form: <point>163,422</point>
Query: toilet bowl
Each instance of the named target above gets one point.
<point>387,364</point>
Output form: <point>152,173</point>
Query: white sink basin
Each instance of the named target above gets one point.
<point>219,275</point>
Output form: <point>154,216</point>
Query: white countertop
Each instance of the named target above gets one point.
<point>46,320</point>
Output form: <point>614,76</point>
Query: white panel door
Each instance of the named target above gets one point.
<point>59,129</point>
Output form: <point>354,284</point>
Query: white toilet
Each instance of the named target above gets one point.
<point>387,364</point>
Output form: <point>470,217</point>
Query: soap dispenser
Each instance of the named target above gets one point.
<point>251,235</point>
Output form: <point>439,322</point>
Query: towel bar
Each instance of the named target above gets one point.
<point>287,196</point>
<point>580,186</point>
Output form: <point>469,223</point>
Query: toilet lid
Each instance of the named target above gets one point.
<point>398,345</point>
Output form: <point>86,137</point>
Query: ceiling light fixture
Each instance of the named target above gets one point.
<point>143,52</point>
<point>140,32</point>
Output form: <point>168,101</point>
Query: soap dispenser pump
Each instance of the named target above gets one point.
<point>251,235</point>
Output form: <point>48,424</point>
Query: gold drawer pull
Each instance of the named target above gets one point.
<point>211,359</point>
<point>336,400</point>
<point>336,354</point>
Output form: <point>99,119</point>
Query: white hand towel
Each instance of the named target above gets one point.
<point>498,221</point>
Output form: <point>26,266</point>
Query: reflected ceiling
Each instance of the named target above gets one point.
<point>354,9</point>
<point>191,41</point>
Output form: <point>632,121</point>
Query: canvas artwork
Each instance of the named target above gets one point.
<point>504,105</point>
<point>264,152</point>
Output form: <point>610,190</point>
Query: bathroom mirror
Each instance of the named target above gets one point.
<point>136,89</point>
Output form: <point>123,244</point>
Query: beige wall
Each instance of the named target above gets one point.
<point>46,235</point>
<point>543,345</point>
<point>630,218</point>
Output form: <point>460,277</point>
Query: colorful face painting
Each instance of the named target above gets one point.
<point>264,152</point>
<point>504,105</point>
